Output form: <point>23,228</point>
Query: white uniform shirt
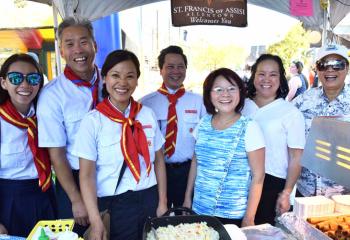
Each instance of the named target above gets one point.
<point>99,141</point>
<point>283,126</point>
<point>16,158</point>
<point>61,107</point>
<point>189,110</point>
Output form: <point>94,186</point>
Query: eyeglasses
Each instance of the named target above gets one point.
<point>16,78</point>
<point>336,65</point>
<point>220,90</point>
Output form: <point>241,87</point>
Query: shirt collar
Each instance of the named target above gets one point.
<point>341,93</point>
<point>172,91</point>
<point>30,113</point>
<point>94,77</point>
<point>127,110</point>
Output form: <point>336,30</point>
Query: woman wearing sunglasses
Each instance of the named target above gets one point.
<point>330,99</point>
<point>25,170</point>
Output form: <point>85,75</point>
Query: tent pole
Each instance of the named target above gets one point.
<point>57,51</point>
<point>325,22</point>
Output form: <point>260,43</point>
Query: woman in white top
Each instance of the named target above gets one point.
<point>284,131</point>
<point>121,134</point>
<point>26,193</point>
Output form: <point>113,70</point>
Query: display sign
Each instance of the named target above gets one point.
<point>327,149</point>
<point>301,7</point>
<point>209,12</point>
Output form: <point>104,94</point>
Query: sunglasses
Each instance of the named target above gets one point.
<point>16,78</point>
<point>336,65</point>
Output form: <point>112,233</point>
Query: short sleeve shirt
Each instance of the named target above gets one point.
<point>223,167</point>
<point>61,107</point>
<point>283,127</point>
<point>314,103</point>
<point>16,158</point>
<point>99,141</point>
<point>189,110</point>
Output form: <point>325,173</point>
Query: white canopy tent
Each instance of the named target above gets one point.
<point>324,19</point>
<point>94,9</point>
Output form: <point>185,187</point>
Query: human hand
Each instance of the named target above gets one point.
<point>161,209</point>
<point>98,231</point>
<point>187,203</point>
<point>3,230</point>
<point>247,221</point>
<point>80,213</point>
<point>282,204</point>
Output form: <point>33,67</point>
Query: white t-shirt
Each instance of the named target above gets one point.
<point>61,107</point>
<point>283,126</point>
<point>189,110</point>
<point>99,141</point>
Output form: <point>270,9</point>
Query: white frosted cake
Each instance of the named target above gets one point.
<point>313,206</point>
<point>342,203</point>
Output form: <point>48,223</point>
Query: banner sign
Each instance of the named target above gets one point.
<point>209,12</point>
<point>301,7</point>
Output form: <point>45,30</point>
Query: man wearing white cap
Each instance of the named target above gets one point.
<point>330,99</point>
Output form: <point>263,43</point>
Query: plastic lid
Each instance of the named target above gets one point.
<point>342,199</point>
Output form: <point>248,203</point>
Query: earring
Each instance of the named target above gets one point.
<point>216,110</point>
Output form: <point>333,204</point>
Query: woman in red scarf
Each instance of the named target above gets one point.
<point>119,144</point>
<point>25,170</point>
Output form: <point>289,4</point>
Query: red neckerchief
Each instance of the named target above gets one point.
<point>40,155</point>
<point>132,143</point>
<point>69,74</point>
<point>171,127</point>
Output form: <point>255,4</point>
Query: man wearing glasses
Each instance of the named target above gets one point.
<point>330,99</point>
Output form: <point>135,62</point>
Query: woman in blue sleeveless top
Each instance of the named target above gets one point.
<point>227,170</point>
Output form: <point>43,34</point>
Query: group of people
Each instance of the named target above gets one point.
<point>233,153</point>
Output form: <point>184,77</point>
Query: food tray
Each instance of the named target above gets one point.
<point>300,228</point>
<point>176,220</point>
<point>55,226</point>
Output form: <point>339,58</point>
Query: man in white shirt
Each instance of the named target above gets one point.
<point>62,104</point>
<point>178,112</point>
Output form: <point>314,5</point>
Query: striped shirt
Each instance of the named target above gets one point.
<point>222,181</point>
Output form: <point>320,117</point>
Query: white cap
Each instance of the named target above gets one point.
<point>332,49</point>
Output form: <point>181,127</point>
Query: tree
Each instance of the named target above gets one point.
<point>206,57</point>
<point>294,46</point>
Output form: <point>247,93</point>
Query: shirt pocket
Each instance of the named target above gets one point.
<point>72,123</point>
<point>12,155</point>
<point>149,132</point>
<point>190,122</point>
<point>109,150</point>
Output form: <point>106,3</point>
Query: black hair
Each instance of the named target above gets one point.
<point>283,90</point>
<point>231,77</point>
<point>114,58</point>
<point>168,50</point>
<point>19,57</point>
